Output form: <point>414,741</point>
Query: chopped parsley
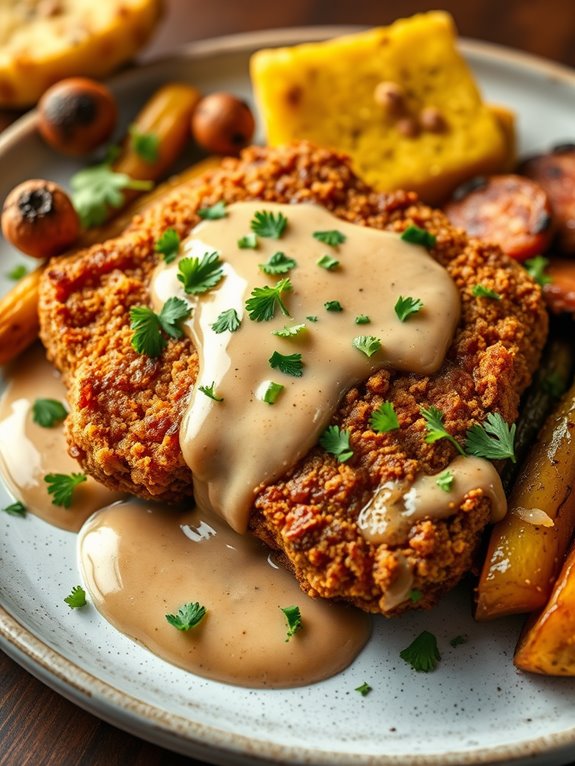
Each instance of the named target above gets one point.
<point>248,242</point>
<point>536,269</point>
<point>333,306</point>
<point>335,440</point>
<point>458,640</point>
<point>266,224</point>
<point>226,321</point>
<point>415,595</point>
<point>98,188</point>
<point>480,291</point>
<point>333,238</point>
<point>445,481</point>
<point>149,327</point>
<point>405,307</point>
<point>494,439</point>
<point>273,390</point>
<point>364,689</point>
<point>384,418</point>
<point>278,263</point>
<point>213,213</point>
<point>422,654</point>
<point>168,245</point>
<point>15,509</point>
<point>17,272</point>
<point>264,301</point>
<point>362,319</point>
<point>328,263</point>
<point>198,275</point>
<point>210,391</point>
<point>145,145</point>
<point>435,429</point>
<point>367,344</point>
<point>48,412</point>
<point>311,318</point>
<point>293,618</point>
<point>189,615</point>
<point>290,332</point>
<point>62,485</point>
<point>418,236</point>
<point>289,364</point>
<point>77,598</point>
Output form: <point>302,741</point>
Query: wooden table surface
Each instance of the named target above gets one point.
<point>37,726</point>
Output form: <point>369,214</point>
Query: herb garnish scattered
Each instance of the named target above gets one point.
<point>480,291</point>
<point>407,306</point>
<point>415,595</point>
<point>384,418</point>
<point>145,145</point>
<point>278,263</point>
<point>226,321</point>
<point>77,597</point>
<point>362,319</point>
<point>264,301</point>
<point>328,263</point>
<point>536,269</point>
<point>294,622</point>
<point>335,440</point>
<point>333,238</point>
<point>458,640</point>
<point>367,344</point>
<point>188,616</point>
<point>198,275</point>
<point>48,412</point>
<point>290,332</point>
<point>273,390</point>
<point>15,509</point>
<point>149,327</point>
<point>266,224</point>
<point>333,306</point>
<point>248,242</point>
<point>210,391</point>
<point>98,188</point>
<point>62,485</point>
<point>445,481</point>
<point>311,318</point>
<point>422,654</point>
<point>435,429</point>
<point>17,272</point>
<point>168,245</point>
<point>289,364</point>
<point>418,236</point>
<point>364,689</point>
<point>214,212</point>
<point>493,439</point>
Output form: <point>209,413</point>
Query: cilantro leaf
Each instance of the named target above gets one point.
<point>536,269</point>
<point>367,344</point>
<point>226,321</point>
<point>293,618</point>
<point>290,332</point>
<point>480,291</point>
<point>278,263</point>
<point>17,272</point>
<point>62,485</point>
<point>145,145</point>
<point>168,245</point>
<point>422,654</point>
<point>15,509</point>
<point>445,481</point>
<point>147,325</point>
<point>333,306</point>
<point>407,306</point>
<point>435,428</point>
<point>289,364</point>
<point>364,689</point>
<point>48,412</point>
<point>384,418</point>
<point>418,236</point>
<point>214,212</point>
<point>77,598</point>
<point>210,391</point>
<point>273,390</point>
<point>174,311</point>
<point>266,224</point>
<point>200,275</point>
<point>335,440</point>
<point>248,242</point>
<point>264,301</point>
<point>98,188</point>
<point>493,439</point>
<point>189,615</point>
<point>362,319</point>
<point>333,237</point>
<point>328,263</point>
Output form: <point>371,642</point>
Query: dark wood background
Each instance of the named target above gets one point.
<point>40,728</point>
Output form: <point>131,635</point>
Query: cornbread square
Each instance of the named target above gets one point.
<point>327,92</point>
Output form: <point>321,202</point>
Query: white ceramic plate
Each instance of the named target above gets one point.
<point>474,709</point>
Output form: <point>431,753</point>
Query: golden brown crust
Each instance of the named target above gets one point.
<point>126,408</point>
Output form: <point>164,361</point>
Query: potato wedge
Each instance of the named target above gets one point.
<point>523,558</point>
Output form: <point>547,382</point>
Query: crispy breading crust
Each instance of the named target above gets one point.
<point>126,408</point>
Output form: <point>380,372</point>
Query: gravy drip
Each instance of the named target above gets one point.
<point>28,451</point>
<point>140,562</point>
<point>235,445</point>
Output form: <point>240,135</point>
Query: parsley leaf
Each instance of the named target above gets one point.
<point>226,321</point>
<point>145,145</point>
<point>168,245</point>
<point>332,237</point>
<point>536,269</point>
<point>77,598</point>
<point>214,212</point>
<point>174,311</point>
<point>200,275</point>
<point>407,306</point>
<point>328,263</point>
<point>278,263</point>
<point>147,325</point>
<point>494,439</point>
<point>333,306</point>
<point>445,481</point>
<point>384,418</point>
<point>15,509</point>
<point>415,595</point>
<point>435,428</point>
<point>362,319</point>
<point>311,318</point>
<point>273,390</point>
<point>367,344</point>
<point>98,188</point>
<point>210,391</point>
<point>62,485</point>
<point>480,291</point>
<point>418,236</point>
<point>289,364</point>
<point>290,332</point>
<point>264,301</point>
<point>364,689</point>
<point>48,412</point>
<point>17,272</point>
<point>266,224</point>
<point>422,654</point>
<point>294,622</point>
<point>248,242</point>
<point>189,615</point>
<point>335,440</point>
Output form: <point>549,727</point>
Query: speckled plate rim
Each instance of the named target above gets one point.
<point>182,734</point>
